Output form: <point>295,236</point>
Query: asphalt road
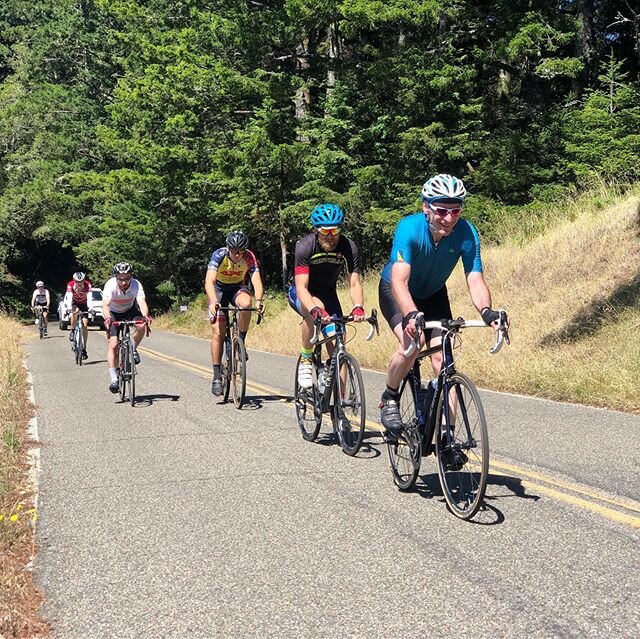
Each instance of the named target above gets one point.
<point>183,517</point>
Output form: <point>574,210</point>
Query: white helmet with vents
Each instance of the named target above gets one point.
<point>443,187</point>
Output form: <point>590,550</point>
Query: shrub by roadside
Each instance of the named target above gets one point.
<point>19,598</point>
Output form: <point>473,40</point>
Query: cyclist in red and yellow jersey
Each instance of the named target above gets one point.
<point>230,269</point>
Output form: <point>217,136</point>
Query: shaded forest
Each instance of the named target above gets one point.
<point>146,130</point>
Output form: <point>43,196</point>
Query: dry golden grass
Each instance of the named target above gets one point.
<point>573,295</point>
<point>19,599</point>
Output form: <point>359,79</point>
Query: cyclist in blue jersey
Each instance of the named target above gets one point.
<point>426,248</point>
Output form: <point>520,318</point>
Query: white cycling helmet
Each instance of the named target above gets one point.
<point>79,276</point>
<point>39,284</point>
<point>443,187</point>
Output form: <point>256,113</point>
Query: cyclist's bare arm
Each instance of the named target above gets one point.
<point>209,284</point>
<point>355,289</point>
<point>302,290</point>
<point>144,308</point>
<point>400,273</point>
<point>258,288</point>
<point>479,291</point>
<point>106,312</point>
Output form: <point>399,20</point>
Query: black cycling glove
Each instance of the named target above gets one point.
<point>489,315</point>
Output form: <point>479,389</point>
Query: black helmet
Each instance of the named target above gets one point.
<point>122,268</point>
<point>237,240</point>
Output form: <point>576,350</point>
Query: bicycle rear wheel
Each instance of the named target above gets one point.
<point>308,406</point>
<point>40,317</point>
<point>132,374</point>
<point>405,451</point>
<point>349,408</point>
<point>239,372</point>
<point>462,447</point>
<point>226,368</point>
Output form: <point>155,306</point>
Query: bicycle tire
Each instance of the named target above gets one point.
<point>238,372</point>
<point>308,408</point>
<point>225,368</point>
<point>79,344</point>
<point>463,464</point>
<point>40,317</point>
<point>349,407</point>
<point>122,372</point>
<point>132,374</point>
<point>405,451</point>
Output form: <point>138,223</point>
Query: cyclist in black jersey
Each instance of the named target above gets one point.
<point>320,258</point>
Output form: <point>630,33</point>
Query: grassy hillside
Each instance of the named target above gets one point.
<point>573,294</point>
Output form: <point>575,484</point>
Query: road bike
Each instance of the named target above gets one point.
<point>444,416</point>
<point>77,336</point>
<point>39,312</point>
<point>233,366</point>
<point>125,358</point>
<point>337,387</point>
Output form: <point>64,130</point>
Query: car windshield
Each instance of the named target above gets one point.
<point>96,296</point>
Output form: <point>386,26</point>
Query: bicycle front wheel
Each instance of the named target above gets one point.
<point>122,372</point>
<point>349,408</point>
<point>226,369</point>
<point>239,372</point>
<point>308,406</point>
<point>132,374</point>
<point>462,447</point>
<point>79,344</point>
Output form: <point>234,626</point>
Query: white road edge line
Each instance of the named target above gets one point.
<point>33,455</point>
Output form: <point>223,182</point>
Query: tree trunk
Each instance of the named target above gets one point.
<point>335,54</point>
<point>584,46</point>
<point>302,98</point>
<point>283,257</point>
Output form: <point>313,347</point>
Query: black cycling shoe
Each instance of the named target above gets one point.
<point>114,387</point>
<point>136,357</point>
<point>216,387</point>
<point>71,336</point>
<point>390,418</point>
<point>454,459</point>
<point>84,353</point>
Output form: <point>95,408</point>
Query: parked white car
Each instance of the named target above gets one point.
<point>95,303</point>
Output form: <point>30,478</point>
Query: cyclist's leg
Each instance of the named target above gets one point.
<point>218,331</point>
<point>305,366</point>
<point>242,299</point>
<point>112,344</point>
<point>45,317</point>
<point>399,365</point>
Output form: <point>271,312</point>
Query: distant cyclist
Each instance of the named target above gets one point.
<point>42,299</point>
<point>426,248</point>
<point>76,299</point>
<point>321,257</point>
<point>230,269</point>
<point>123,299</point>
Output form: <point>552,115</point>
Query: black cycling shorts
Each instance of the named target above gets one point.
<point>435,307</point>
<point>83,307</point>
<point>329,299</point>
<point>134,313</point>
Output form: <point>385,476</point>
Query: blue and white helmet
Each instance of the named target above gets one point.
<point>443,187</point>
<point>327,215</point>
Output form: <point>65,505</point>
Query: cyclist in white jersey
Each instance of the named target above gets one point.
<point>123,299</point>
<point>41,298</point>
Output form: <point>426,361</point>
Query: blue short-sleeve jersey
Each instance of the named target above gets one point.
<point>432,265</point>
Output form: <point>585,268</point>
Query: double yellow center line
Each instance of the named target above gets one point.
<point>609,506</point>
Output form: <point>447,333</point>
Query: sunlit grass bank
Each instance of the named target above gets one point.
<point>573,295</point>
<point>19,599</point>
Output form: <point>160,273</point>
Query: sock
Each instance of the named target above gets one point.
<point>113,375</point>
<point>391,393</point>
<point>216,371</point>
<point>307,353</point>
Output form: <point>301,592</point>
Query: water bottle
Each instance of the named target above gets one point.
<point>321,378</point>
<point>37,321</point>
<point>329,330</point>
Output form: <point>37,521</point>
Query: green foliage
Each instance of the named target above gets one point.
<point>146,131</point>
